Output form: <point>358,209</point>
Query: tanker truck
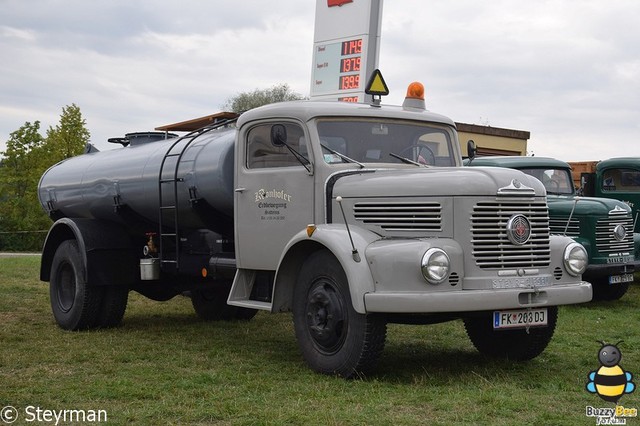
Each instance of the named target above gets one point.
<point>349,216</point>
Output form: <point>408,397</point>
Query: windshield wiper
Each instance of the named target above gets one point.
<point>406,160</point>
<point>301,158</point>
<point>343,157</point>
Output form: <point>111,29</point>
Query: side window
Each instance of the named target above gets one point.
<point>261,153</point>
<point>624,180</point>
<point>610,180</point>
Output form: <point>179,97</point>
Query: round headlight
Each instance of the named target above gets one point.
<point>575,259</point>
<point>435,266</point>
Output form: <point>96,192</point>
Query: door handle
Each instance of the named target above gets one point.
<point>240,190</point>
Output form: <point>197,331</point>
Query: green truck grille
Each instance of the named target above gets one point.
<point>491,246</point>
<point>606,241</point>
<point>558,226</point>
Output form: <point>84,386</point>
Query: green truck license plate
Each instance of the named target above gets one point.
<point>520,318</point>
<point>624,278</point>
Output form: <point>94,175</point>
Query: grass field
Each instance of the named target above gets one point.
<point>165,366</point>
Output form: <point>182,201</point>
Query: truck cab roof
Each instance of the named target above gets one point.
<point>619,162</point>
<point>307,110</point>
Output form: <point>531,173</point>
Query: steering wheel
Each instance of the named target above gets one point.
<point>552,186</point>
<point>428,158</point>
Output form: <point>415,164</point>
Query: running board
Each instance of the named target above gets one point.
<point>241,291</point>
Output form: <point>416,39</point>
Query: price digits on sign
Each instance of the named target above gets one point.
<point>350,64</point>
<point>353,49</point>
<point>348,99</point>
<point>351,81</point>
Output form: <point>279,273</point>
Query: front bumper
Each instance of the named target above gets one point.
<point>605,270</point>
<point>477,300</point>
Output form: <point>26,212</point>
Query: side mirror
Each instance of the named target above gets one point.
<point>278,135</point>
<point>471,149</point>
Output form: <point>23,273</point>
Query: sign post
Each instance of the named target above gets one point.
<point>345,49</point>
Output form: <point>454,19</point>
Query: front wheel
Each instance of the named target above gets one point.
<point>332,336</point>
<point>602,290</point>
<point>517,345</point>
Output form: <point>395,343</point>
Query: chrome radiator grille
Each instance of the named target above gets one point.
<point>491,246</point>
<point>606,242</point>
<point>401,216</point>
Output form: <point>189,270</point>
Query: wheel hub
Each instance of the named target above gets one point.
<point>66,288</point>
<point>326,319</point>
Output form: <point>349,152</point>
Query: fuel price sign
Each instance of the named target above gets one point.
<point>345,48</point>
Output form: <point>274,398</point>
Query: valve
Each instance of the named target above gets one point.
<point>150,249</point>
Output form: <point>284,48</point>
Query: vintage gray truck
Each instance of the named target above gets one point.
<point>603,226</point>
<point>349,216</point>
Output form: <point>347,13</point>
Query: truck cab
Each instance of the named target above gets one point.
<point>615,178</point>
<point>603,226</point>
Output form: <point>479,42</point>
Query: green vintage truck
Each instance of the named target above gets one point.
<point>603,226</point>
<point>617,178</point>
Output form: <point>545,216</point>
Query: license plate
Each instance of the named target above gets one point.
<point>624,278</point>
<point>520,318</point>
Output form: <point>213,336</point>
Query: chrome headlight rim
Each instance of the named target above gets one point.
<point>435,266</point>
<point>575,259</point>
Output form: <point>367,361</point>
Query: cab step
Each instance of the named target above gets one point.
<point>240,294</point>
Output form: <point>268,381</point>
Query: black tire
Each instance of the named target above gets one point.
<point>210,304</point>
<point>517,345</point>
<point>333,338</point>
<point>244,314</point>
<point>602,290</point>
<point>113,305</point>
<point>75,305</point>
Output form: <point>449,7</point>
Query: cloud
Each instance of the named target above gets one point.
<point>565,71</point>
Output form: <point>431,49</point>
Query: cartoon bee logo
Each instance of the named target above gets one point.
<point>610,381</point>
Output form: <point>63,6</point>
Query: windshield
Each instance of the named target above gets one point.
<point>385,141</point>
<point>556,181</point>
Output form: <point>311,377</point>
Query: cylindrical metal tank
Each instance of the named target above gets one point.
<point>123,185</point>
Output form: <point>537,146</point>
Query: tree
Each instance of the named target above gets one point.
<point>27,157</point>
<point>21,169</point>
<point>248,100</point>
<point>69,137</point>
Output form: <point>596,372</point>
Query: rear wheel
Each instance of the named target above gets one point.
<point>517,345</point>
<point>75,305</point>
<point>211,304</point>
<point>332,336</point>
<point>113,304</point>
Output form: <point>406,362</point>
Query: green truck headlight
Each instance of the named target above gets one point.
<point>435,266</point>
<point>575,259</point>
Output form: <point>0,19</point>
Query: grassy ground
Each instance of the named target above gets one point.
<point>165,366</point>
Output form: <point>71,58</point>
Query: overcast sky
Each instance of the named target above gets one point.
<point>568,71</point>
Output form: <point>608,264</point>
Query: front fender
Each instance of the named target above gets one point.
<point>335,238</point>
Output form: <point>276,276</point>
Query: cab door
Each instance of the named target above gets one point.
<point>273,192</point>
